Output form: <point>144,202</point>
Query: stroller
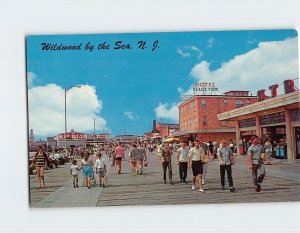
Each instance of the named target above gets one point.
<point>93,180</point>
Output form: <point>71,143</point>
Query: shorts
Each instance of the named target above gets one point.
<point>118,158</point>
<point>197,168</point>
<point>88,171</point>
<point>75,177</point>
<point>101,171</point>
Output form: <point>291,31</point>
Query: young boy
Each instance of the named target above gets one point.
<point>74,172</point>
<point>100,168</point>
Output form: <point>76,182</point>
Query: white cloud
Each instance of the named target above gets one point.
<point>46,109</point>
<point>192,47</point>
<point>167,111</point>
<point>129,115</point>
<point>186,50</point>
<point>183,54</point>
<point>30,79</point>
<point>270,63</point>
<point>210,42</point>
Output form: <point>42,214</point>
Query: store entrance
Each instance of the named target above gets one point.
<point>277,135</point>
<point>245,141</point>
<point>297,138</point>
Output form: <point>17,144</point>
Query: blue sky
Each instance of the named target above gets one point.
<point>130,84</point>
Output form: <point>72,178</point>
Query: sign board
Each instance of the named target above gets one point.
<point>278,117</point>
<point>205,86</point>
<point>295,114</point>
<point>247,122</point>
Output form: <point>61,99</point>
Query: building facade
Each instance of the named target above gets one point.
<point>126,139</point>
<point>276,118</point>
<point>198,115</point>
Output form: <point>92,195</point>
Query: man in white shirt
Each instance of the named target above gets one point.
<point>182,159</point>
<point>196,154</point>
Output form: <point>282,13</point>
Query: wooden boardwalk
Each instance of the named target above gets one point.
<point>149,189</point>
<point>282,184</point>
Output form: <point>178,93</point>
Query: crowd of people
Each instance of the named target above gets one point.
<point>194,155</point>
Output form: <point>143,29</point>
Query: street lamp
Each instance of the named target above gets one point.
<point>66,89</point>
<point>94,130</point>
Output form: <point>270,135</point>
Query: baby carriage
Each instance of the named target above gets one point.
<point>93,180</point>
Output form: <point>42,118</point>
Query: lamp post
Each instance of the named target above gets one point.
<point>95,130</point>
<point>66,89</point>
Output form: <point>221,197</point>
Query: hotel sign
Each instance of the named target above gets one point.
<point>278,117</point>
<point>205,86</point>
<point>247,122</point>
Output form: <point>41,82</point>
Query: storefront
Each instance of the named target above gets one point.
<point>276,118</point>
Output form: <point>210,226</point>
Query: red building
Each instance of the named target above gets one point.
<point>198,115</point>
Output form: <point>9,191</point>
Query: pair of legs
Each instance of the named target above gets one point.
<point>133,167</point>
<point>228,170</point>
<point>101,173</point>
<point>140,166</point>
<point>183,171</point>
<point>119,164</point>
<point>40,176</point>
<point>168,165</point>
<point>257,180</point>
<point>88,181</point>
<point>75,181</point>
<point>197,171</point>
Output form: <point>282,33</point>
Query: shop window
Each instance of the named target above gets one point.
<point>203,103</point>
<point>204,121</point>
<point>239,103</point>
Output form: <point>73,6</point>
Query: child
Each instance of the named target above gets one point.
<point>100,168</point>
<point>74,172</point>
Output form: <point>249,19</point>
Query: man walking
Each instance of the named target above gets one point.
<point>166,162</point>
<point>197,153</point>
<point>224,152</point>
<point>182,158</point>
<point>255,162</point>
<point>141,157</point>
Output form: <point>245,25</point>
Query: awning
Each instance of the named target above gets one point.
<point>171,140</point>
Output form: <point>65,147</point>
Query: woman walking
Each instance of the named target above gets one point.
<point>268,151</point>
<point>133,156</point>
<point>141,157</point>
<point>119,155</point>
<point>87,165</point>
<point>40,160</point>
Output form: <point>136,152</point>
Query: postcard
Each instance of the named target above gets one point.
<point>166,118</point>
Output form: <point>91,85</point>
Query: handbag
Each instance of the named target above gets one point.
<point>203,158</point>
<point>231,158</point>
<point>263,157</point>
<point>146,163</point>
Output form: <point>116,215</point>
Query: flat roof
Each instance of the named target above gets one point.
<point>219,96</point>
<point>270,103</point>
